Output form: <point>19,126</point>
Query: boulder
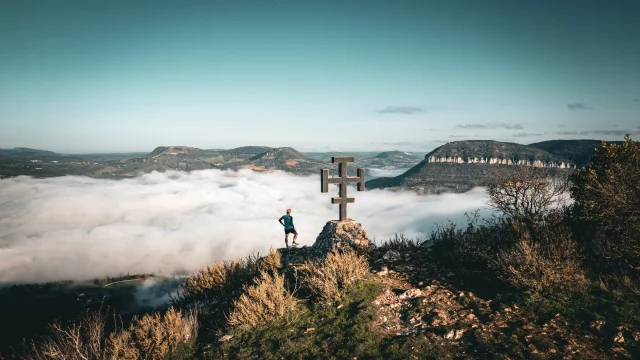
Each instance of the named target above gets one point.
<point>342,235</point>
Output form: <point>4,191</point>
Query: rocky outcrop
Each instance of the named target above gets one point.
<point>500,161</point>
<point>342,235</point>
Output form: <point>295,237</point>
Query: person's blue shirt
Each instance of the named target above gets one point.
<point>288,221</point>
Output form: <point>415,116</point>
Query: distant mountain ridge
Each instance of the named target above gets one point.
<point>439,169</point>
<point>461,165</point>
<point>390,160</point>
<point>578,152</point>
<point>184,158</point>
<point>495,152</point>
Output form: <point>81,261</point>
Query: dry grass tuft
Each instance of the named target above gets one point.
<point>262,303</point>
<point>538,267</point>
<point>328,278</point>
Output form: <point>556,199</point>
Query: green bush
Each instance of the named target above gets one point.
<point>607,211</point>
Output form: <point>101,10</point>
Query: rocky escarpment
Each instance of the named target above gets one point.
<point>462,165</point>
<point>498,161</point>
<point>495,153</point>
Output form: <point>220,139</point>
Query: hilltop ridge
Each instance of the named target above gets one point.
<point>461,165</point>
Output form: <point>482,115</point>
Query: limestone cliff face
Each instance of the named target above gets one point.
<point>499,161</point>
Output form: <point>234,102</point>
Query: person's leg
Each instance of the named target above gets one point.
<point>286,238</point>
<point>295,235</point>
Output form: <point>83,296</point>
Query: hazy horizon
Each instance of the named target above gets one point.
<point>306,150</point>
<point>127,76</point>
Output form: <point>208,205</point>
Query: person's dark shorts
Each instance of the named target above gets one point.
<point>293,230</point>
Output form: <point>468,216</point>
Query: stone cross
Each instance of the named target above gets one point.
<point>343,180</point>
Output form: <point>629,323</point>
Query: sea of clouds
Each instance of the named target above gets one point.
<point>76,228</point>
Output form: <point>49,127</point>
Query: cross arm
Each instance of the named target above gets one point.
<point>338,200</point>
<point>341,159</point>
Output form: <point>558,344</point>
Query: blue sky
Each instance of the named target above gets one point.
<point>94,76</point>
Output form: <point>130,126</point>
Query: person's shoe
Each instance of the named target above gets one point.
<point>295,243</point>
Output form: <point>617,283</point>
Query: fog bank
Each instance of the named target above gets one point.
<point>80,228</point>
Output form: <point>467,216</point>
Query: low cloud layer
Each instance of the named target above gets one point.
<point>515,126</point>
<point>578,106</point>
<point>80,228</point>
<point>407,110</point>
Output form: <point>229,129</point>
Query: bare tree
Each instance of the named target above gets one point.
<point>527,193</point>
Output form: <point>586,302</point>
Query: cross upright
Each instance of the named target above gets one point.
<point>343,179</point>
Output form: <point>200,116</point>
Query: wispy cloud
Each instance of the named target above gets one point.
<point>525,134</point>
<point>514,126</point>
<point>457,136</point>
<point>407,110</point>
<point>578,106</point>
<point>562,126</point>
<point>616,132</point>
<point>400,143</point>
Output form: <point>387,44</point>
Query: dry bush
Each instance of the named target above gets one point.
<point>327,279</point>
<point>218,283</point>
<point>551,266</point>
<point>80,340</point>
<point>222,282</point>
<point>158,336</point>
<point>271,262</point>
<point>528,194</point>
<point>121,346</point>
<point>153,336</point>
<point>262,303</point>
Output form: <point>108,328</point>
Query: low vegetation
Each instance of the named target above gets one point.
<point>154,336</point>
<point>262,303</point>
<point>546,278</point>
<point>327,279</point>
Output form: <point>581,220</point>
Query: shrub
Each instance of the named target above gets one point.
<point>271,262</point>
<point>83,339</point>
<point>327,278</point>
<point>474,247</point>
<point>154,336</point>
<point>548,265</point>
<point>262,303</point>
<point>120,346</point>
<point>159,336</point>
<point>223,281</point>
<point>607,194</point>
<point>528,194</point>
<point>400,242</point>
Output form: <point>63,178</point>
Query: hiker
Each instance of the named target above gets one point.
<point>288,228</point>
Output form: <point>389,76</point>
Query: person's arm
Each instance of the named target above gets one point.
<point>280,220</point>
<point>292,222</point>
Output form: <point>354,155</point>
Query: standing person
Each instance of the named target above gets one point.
<point>288,228</point>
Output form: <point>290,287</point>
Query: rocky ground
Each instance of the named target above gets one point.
<point>421,302</point>
<point>424,303</point>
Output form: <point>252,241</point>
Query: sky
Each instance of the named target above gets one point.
<point>176,222</point>
<point>317,75</point>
